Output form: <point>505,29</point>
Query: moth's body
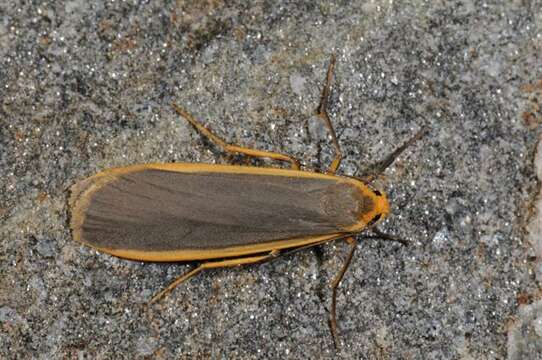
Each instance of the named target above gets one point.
<point>181,211</point>
<point>225,215</point>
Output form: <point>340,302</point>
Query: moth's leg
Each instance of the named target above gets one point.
<point>378,168</point>
<point>334,285</point>
<point>234,148</point>
<point>321,111</point>
<point>213,265</point>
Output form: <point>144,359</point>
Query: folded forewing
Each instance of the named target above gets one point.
<point>160,210</point>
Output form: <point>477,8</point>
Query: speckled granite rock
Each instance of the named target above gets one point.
<point>88,85</point>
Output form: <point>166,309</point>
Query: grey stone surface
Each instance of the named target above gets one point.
<point>88,85</point>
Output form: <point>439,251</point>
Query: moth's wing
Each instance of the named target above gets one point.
<point>159,210</point>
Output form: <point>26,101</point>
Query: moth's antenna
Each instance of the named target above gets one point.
<point>379,167</point>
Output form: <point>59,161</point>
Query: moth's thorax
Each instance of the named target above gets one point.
<point>360,205</point>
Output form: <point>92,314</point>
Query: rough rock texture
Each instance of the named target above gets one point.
<point>86,86</point>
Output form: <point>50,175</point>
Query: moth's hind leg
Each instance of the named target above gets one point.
<point>213,265</point>
<point>234,148</point>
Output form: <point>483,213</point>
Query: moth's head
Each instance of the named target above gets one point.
<point>361,205</point>
<point>381,207</point>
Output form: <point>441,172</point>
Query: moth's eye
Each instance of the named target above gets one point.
<point>378,193</point>
<point>374,220</point>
